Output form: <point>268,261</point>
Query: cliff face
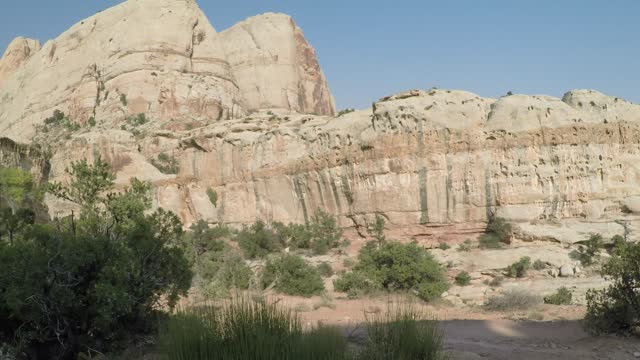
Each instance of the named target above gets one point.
<point>434,163</point>
<point>162,58</point>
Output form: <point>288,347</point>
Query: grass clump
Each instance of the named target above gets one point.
<point>393,266</point>
<point>291,275</point>
<point>402,333</point>
<point>519,268</point>
<point>561,297</point>
<point>246,330</point>
<point>513,299</point>
<point>463,278</point>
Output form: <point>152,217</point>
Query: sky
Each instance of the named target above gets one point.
<point>369,49</point>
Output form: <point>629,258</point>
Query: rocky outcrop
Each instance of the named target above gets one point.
<point>161,58</point>
<point>18,51</point>
<point>275,66</point>
<point>435,163</point>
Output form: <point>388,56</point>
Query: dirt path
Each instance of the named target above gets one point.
<point>508,339</point>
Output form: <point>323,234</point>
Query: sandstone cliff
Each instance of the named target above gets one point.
<point>434,163</point>
<point>162,58</point>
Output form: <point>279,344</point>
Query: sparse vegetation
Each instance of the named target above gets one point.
<point>325,269</point>
<point>166,164</point>
<point>137,120</point>
<point>616,309</point>
<point>213,196</point>
<point>444,246</point>
<point>539,265</point>
<point>345,111</point>
<point>60,120</point>
<point>292,275</point>
<point>590,250</point>
<point>519,269</point>
<point>465,246</point>
<point>561,297</point>
<point>463,278</point>
<point>512,299</point>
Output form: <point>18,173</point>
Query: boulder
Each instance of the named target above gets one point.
<point>566,270</point>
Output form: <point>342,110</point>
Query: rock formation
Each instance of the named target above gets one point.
<point>222,111</point>
<point>162,58</point>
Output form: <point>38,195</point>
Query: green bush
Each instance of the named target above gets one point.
<point>325,269</point>
<point>402,333</point>
<point>137,120</point>
<point>616,309</point>
<point>213,196</point>
<point>513,299</point>
<point>519,269</point>
<point>444,246</point>
<point>590,249</point>
<point>92,121</point>
<point>123,99</point>
<point>463,278</point>
<point>539,265</point>
<point>257,241</point>
<point>292,275</point>
<point>93,280</point>
<point>166,164</point>
<point>498,233</point>
<point>393,266</point>
<point>345,111</point>
<point>561,297</point>
<point>247,330</point>
<point>324,231</point>
<point>59,119</point>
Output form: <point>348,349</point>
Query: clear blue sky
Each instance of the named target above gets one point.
<point>372,48</point>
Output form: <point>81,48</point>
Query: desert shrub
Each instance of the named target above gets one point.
<point>561,297</point>
<point>320,234</point>
<point>348,263</point>
<point>402,333</point>
<point>257,241</point>
<point>217,266</point>
<point>519,268</point>
<point>166,164</point>
<point>616,309</point>
<point>137,120</point>
<point>377,229</point>
<point>465,246</point>
<point>324,232</point>
<point>539,265</point>
<point>489,241</point>
<point>444,246</point>
<point>617,241</point>
<point>292,275</point>
<point>59,119</point>
<point>345,111</point>
<point>512,299</point>
<point>590,249</point>
<point>92,121</point>
<point>213,196</point>
<point>325,269</point>
<point>123,99</point>
<point>498,233</point>
<point>394,266</point>
<point>496,281</point>
<point>247,330</point>
<point>88,280</point>
<point>463,278</point>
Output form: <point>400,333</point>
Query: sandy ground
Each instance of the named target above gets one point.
<point>472,333</point>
